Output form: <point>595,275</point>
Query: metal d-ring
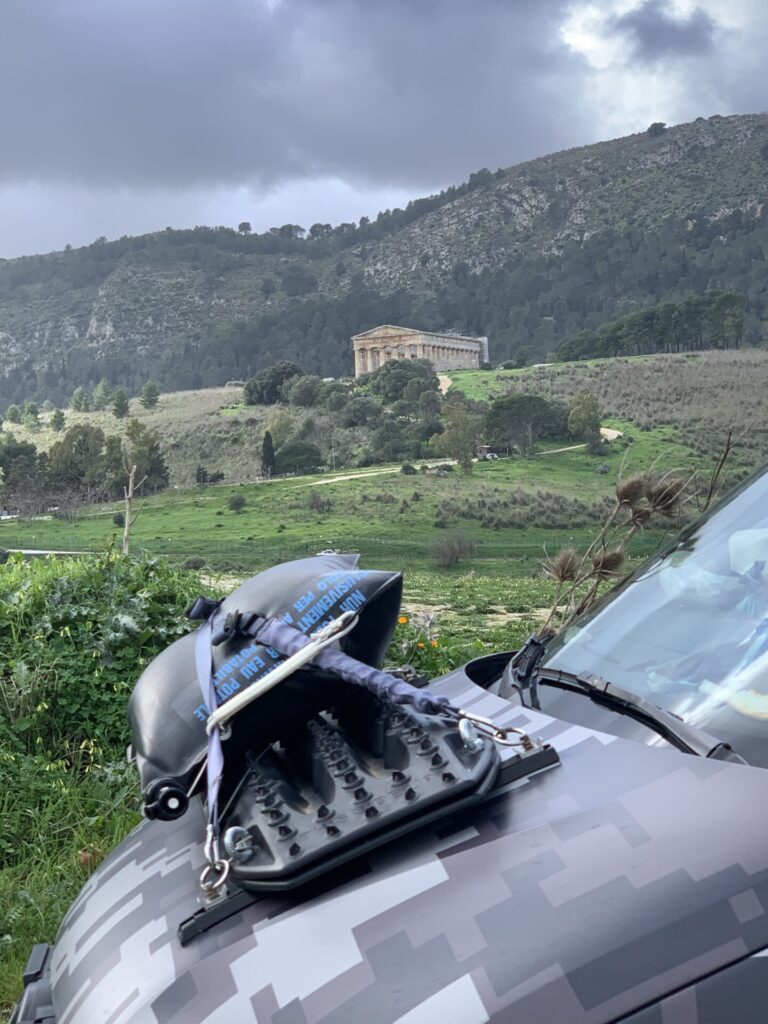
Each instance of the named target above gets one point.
<point>220,870</point>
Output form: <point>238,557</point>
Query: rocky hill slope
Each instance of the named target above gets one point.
<point>528,255</point>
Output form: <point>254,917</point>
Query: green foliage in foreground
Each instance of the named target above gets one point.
<point>59,818</point>
<point>75,636</point>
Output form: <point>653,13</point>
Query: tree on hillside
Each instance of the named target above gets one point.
<point>459,439</point>
<point>522,419</point>
<point>297,455</point>
<point>77,460</point>
<point>31,415</point>
<point>584,415</point>
<point>304,391</point>
<point>150,395</point>
<point>120,404</point>
<point>18,461</point>
<point>57,420</point>
<point>391,379</point>
<point>80,400</point>
<point>359,411</point>
<point>244,227</point>
<point>13,414</point>
<point>267,455</point>
<point>102,394</point>
<point>265,387</point>
<point>141,447</point>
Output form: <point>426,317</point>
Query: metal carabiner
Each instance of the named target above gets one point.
<point>498,733</point>
<point>217,865</point>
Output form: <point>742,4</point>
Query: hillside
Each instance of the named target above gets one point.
<point>528,255</point>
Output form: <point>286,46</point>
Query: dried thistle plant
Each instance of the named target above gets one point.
<point>606,565</point>
<point>563,567</point>
<point>639,497</point>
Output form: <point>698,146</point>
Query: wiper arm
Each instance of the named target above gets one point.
<point>688,738</point>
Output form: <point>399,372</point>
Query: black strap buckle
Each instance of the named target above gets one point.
<point>245,623</point>
<point>202,608</point>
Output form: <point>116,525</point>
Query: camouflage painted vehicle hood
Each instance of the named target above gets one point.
<point>585,893</point>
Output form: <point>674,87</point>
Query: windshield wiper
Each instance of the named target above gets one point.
<point>688,738</point>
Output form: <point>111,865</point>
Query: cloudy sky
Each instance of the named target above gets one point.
<point>124,116</point>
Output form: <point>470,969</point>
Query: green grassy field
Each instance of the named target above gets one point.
<point>386,516</point>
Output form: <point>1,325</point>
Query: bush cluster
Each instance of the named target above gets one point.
<point>77,635</point>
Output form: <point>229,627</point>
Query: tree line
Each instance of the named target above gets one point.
<point>85,466</point>
<point>712,320</point>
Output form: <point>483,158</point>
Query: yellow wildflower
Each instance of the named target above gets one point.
<point>403,620</point>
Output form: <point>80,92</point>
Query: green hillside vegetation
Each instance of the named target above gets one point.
<point>693,399</point>
<point>513,508</point>
<point>529,255</point>
<point>714,320</point>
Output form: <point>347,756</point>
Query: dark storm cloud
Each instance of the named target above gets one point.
<point>657,34</point>
<point>190,93</point>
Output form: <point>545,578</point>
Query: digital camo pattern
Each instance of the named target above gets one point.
<point>584,894</point>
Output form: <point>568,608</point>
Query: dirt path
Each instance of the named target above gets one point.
<point>610,434</point>
<point>607,433</point>
<point>445,382</point>
<point>361,476</point>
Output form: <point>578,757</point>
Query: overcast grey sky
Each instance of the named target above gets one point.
<point>124,116</point>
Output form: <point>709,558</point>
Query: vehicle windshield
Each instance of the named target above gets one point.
<point>689,630</point>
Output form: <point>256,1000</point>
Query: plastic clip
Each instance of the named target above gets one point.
<point>202,608</point>
<point>227,629</point>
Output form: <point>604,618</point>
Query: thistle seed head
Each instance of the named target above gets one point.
<point>564,566</point>
<point>665,494</point>
<point>607,564</point>
<point>632,489</point>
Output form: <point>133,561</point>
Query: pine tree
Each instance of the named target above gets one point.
<point>150,395</point>
<point>80,400</point>
<point>102,394</point>
<point>120,404</point>
<point>57,420</point>
<point>267,455</point>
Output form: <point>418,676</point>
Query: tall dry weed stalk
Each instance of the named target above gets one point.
<point>639,499</point>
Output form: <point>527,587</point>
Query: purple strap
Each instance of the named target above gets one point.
<point>215,766</point>
<point>288,640</point>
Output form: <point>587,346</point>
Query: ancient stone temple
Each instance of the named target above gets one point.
<point>445,351</point>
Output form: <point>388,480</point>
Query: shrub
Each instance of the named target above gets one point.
<point>297,455</point>
<point>78,634</point>
<point>236,502</point>
<point>317,503</point>
<point>452,548</point>
<point>119,519</point>
<point>193,562</point>
<point>408,470</point>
